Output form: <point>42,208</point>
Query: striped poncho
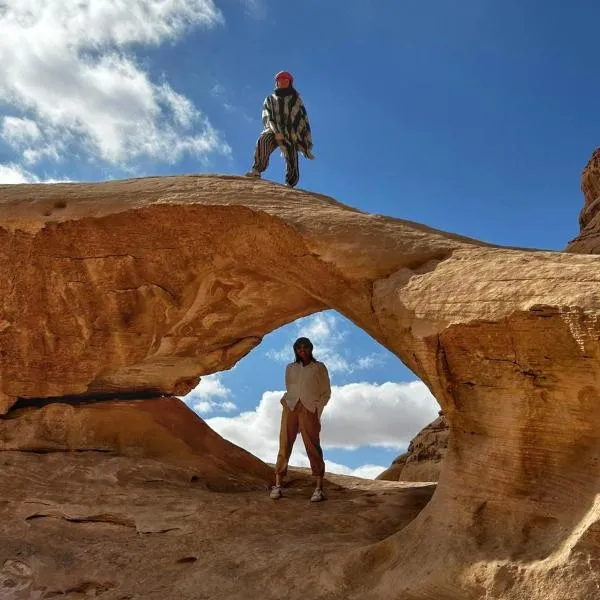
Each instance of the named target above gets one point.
<point>286,114</point>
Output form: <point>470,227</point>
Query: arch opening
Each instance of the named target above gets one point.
<point>377,406</point>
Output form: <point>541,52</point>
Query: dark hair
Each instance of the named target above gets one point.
<point>288,91</point>
<point>307,342</point>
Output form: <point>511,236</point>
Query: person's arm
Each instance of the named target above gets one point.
<point>267,116</point>
<point>325,388</point>
<point>288,376</point>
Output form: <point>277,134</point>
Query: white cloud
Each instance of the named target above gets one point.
<point>67,71</point>
<point>211,386</point>
<point>210,395</point>
<point>11,174</point>
<point>323,330</point>
<point>203,407</point>
<point>257,9</point>
<point>387,415</point>
<point>326,332</point>
<point>358,414</point>
<point>25,136</point>
<point>364,471</point>
<point>368,362</point>
<point>20,131</point>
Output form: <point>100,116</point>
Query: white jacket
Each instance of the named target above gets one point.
<point>308,384</point>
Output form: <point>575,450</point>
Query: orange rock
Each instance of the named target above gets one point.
<point>163,429</point>
<point>142,286</point>
<point>423,459</point>
<point>588,240</point>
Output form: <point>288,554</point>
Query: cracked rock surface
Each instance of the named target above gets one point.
<point>142,286</point>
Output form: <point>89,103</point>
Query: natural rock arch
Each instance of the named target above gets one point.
<point>141,286</point>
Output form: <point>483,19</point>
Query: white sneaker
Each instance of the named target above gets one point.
<point>275,492</point>
<point>318,495</point>
<point>254,174</point>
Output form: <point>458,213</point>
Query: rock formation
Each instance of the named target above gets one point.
<point>588,240</point>
<point>423,459</point>
<point>140,287</point>
<point>159,428</point>
<point>76,526</point>
<point>394,471</point>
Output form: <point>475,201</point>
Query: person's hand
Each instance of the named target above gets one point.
<point>279,137</point>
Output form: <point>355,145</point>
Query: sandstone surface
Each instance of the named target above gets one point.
<point>588,240</point>
<point>393,472</point>
<point>89,525</point>
<point>158,428</point>
<point>424,457</point>
<point>142,286</point>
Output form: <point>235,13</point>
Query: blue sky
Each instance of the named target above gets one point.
<point>475,117</point>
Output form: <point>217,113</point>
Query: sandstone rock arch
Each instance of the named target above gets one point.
<point>141,286</point>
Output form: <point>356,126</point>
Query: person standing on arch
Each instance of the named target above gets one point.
<point>307,392</point>
<point>285,125</point>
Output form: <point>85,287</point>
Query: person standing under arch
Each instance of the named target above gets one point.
<point>307,392</point>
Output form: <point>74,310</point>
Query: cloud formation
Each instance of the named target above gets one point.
<point>210,395</point>
<point>12,173</point>
<point>328,335</point>
<point>71,84</point>
<point>358,415</point>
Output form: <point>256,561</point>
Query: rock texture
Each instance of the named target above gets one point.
<point>87,525</point>
<point>588,240</point>
<point>143,286</point>
<point>160,428</point>
<point>394,471</point>
<point>423,459</point>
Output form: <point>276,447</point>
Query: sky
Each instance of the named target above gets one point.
<point>474,117</point>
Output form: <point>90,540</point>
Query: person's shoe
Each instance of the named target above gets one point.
<point>275,492</point>
<point>253,173</point>
<point>318,496</point>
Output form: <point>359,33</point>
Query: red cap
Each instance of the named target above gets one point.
<point>284,75</point>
